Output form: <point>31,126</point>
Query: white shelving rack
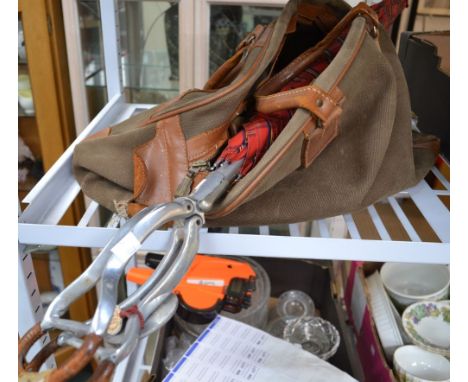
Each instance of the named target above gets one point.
<point>52,196</point>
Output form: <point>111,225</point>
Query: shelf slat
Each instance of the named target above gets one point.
<point>404,219</point>
<point>233,244</point>
<point>433,210</point>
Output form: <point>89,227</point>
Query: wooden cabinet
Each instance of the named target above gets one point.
<point>48,128</point>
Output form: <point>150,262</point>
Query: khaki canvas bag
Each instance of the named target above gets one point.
<point>348,144</point>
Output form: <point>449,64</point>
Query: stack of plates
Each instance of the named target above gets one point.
<point>385,320</point>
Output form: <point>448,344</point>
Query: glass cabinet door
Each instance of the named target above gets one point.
<point>222,26</point>
<point>228,26</point>
<point>92,53</point>
<point>163,46</point>
<point>149,50</point>
<point>30,168</point>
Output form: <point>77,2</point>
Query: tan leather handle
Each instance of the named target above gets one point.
<point>26,342</point>
<point>304,60</point>
<point>362,9</point>
<point>310,97</point>
<point>103,372</point>
<point>223,74</point>
<point>78,360</point>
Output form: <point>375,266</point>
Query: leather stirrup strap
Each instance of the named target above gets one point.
<point>25,343</point>
<point>103,372</point>
<point>78,360</point>
<point>70,368</point>
<point>42,356</point>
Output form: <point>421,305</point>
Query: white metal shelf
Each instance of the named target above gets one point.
<point>52,196</point>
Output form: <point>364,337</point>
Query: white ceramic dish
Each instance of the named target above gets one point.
<point>413,364</point>
<point>397,315</point>
<point>409,283</point>
<point>23,82</point>
<point>427,323</point>
<point>387,326</point>
<point>26,100</point>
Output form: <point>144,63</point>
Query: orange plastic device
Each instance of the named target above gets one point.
<point>212,283</point>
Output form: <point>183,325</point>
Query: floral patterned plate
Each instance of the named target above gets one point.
<point>427,323</point>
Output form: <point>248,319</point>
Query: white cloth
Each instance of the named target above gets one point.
<point>231,351</point>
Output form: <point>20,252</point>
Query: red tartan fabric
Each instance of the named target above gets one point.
<point>256,136</point>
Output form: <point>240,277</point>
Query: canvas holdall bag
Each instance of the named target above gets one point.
<point>347,142</point>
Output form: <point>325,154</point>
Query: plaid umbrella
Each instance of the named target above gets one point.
<point>256,136</point>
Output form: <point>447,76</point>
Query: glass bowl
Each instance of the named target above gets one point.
<point>315,335</point>
<point>276,326</point>
<point>295,303</point>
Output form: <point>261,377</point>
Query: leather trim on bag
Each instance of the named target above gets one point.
<point>160,164</point>
<point>220,73</point>
<point>322,15</point>
<point>351,60</point>
<point>264,40</point>
<point>316,139</point>
<point>426,142</point>
<point>251,37</point>
<point>140,175</point>
<point>309,97</point>
<point>134,208</point>
<point>160,108</point>
<point>205,145</point>
<point>100,134</point>
<point>300,63</point>
<point>292,25</point>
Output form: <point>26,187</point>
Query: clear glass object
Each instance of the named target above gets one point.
<point>228,26</point>
<point>276,326</point>
<point>89,14</point>
<point>149,50</point>
<point>315,335</point>
<point>295,303</point>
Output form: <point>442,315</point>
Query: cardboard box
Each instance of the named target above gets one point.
<point>317,280</point>
<point>368,346</point>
